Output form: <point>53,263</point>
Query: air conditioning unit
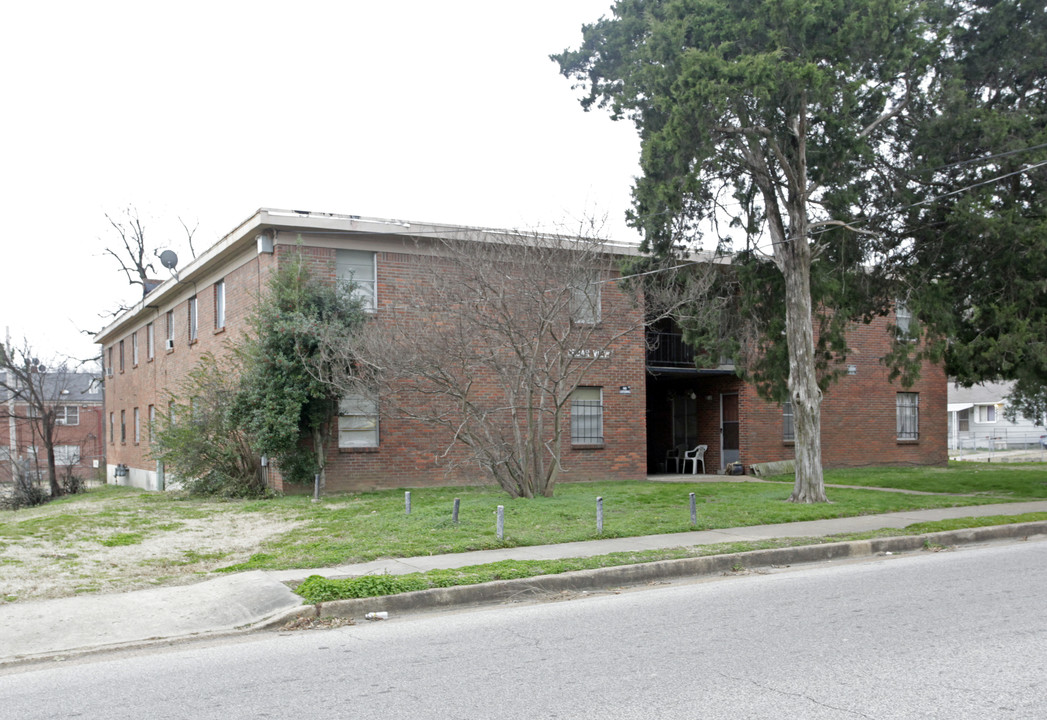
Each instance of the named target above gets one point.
<point>170,344</point>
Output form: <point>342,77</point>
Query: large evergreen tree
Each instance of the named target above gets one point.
<point>973,247</point>
<point>778,115</point>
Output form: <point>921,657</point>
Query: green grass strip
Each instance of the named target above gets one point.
<point>317,589</point>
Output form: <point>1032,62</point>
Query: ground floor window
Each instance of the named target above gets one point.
<point>67,454</point>
<point>788,428</point>
<point>357,422</point>
<point>908,416</point>
<point>963,419</point>
<point>587,416</point>
<point>986,413</point>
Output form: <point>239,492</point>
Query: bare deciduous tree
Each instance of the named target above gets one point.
<point>496,336</point>
<point>133,253</point>
<point>34,392</point>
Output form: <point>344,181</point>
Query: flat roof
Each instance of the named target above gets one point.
<point>243,236</point>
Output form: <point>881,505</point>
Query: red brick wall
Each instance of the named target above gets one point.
<point>859,414</point>
<point>153,380</point>
<point>410,452</point>
<point>87,435</point>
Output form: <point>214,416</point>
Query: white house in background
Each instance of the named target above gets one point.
<point>976,420</point>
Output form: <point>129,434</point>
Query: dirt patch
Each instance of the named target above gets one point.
<point>36,569</point>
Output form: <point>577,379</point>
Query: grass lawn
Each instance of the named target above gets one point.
<point>106,524</point>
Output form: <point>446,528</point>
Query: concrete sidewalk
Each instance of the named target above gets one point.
<point>250,600</point>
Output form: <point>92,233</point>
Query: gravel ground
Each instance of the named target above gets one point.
<point>181,551</point>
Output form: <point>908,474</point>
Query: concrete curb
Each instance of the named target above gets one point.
<point>631,575</point>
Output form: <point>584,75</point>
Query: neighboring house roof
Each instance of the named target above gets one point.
<point>71,387</point>
<point>990,393</point>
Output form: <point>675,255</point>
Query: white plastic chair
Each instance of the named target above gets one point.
<point>695,456</point>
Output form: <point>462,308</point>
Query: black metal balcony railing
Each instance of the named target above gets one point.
<point>666,349</point>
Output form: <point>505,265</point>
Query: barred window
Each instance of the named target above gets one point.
<point>587,416</point>
<point>908,416</point>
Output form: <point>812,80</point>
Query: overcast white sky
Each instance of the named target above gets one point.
<point>444,112</point>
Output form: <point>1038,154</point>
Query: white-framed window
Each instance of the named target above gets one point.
<point>585,304</point>
<point>121,356</point>
<point>134,348</point>
<point>788,426</point>
<point>587,416</point>
<point>123,426</point>
<point>150,342</point>
<point>138,427</point>
<point>170,330</point>
<point>908,406</point>
<point>193,316</point>
<point>219,305</point>
<point>67,415</point>
<point>152,421</point>
<point>987,413</point>
<point>359,267</point>
<point>112,428</point>
<point>963,420</point>
<point>357,422</point>
<point>67,454</point>
<point>902,319</point>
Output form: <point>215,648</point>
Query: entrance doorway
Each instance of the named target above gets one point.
<point>728,429</point>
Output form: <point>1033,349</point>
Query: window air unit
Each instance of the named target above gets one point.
<point>170,344</point>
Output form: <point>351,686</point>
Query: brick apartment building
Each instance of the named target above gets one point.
<point>79,439</point>
<point>647,401</point>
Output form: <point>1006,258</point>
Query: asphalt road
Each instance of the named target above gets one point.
<point>960,634</point>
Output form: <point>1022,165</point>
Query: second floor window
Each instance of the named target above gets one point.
<point>192,319</point>
<point>358,267</point>
<point>67,415</point>
<point>585,304</point>
<point>219,305</point>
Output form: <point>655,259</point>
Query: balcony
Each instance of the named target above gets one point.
<point>667,350</point>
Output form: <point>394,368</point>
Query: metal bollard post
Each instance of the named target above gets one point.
<point>599,515</point>
<point>407,502</point>
<point>501,522</point>
<point>454,511</point>
<point>316,488</point>
<point>694,511</point>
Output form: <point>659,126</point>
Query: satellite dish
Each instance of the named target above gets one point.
<point>168,259</point>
